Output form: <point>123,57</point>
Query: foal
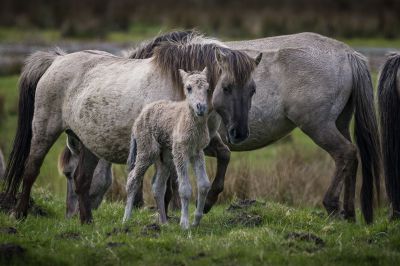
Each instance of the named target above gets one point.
<point>167,133</point>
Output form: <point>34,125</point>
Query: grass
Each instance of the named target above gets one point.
<point>140,31</point>
<point>266,233</point>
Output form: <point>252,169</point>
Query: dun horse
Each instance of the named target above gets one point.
<point>315,83</point>
<point>173,133</point>
<point>389,107</point>
<point>97,96</point>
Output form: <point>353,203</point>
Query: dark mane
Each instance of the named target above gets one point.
<point>198,52</point>
<point>145,49</point>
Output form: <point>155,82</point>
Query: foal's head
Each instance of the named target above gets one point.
<point>197,90</point>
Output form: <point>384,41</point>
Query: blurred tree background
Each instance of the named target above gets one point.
<point>233,19</point>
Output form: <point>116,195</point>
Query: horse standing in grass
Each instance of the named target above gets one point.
<point>389,107</point>
<point>173,133</point>
<point>102,177</point>
<point>315,83</point>
<point>97,96</point>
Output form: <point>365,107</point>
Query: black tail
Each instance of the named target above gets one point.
<point>34,68</point>
<point>389,107</point>
<point>366,133</point>
<point>132,154</point>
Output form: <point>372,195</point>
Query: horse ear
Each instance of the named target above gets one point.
<point>258,59</point>
<point>183,74</point>
<point>205,71</point>
<point>220,58</point>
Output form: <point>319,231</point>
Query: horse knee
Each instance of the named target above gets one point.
<point>224,155</point>
<point>204,187</point>
<point>185,191</point>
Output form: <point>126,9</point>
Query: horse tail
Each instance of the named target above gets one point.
<point>63,159</point>
<point>389,107</point>
<point>366,133</point>
<point>35,66</point>
<point>132,154</point>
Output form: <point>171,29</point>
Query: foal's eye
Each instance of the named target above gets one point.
<point>189,89</point>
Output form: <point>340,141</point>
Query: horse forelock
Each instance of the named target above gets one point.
<point>169,57</point>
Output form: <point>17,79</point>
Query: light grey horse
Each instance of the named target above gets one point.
<point>97,96</point>
<point>101,181</point>
<point>173,135</point>
<point>389,107</point>
<point>315,83</point>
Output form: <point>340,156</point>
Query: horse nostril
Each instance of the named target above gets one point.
<point>198,106</point>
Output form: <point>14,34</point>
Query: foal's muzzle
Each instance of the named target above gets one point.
<point>201,109</point>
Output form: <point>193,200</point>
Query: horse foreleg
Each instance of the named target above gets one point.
<point>218,149</point>
<point>83,180</point>
<point>203,185</point>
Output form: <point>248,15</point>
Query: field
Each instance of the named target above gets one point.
<point>286,225</point>
<point>245,233</point>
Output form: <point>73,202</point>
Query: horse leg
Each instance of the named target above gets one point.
<point>217,148</point>
<point>135,181</point>
<point>102,179</point>
<point>159,188</point>
<point>83,180</point>
<point>43,137</point>
<point>343,123</point>
<point>172,192</point>
<point>203,185</point>
<point>344,153</point>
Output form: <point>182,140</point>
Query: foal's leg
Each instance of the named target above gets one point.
<point>328,137</point>
<point>172,192</point>
<point>83,180</point>
<point>216,148</point>
<point>44,133</point>
<point>135,179</point>
<point>203,186</point>
<point>159,188</point>
<point>185,189</point>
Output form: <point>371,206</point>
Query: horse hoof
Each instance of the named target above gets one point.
<point>184,225</point>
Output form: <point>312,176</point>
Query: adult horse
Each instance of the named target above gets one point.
<point>97,96</point>
<point>315,83</point>
<point>389,107</point>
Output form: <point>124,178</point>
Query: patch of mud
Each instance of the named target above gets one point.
<point>117,231</point>
<point>246,219</point>
<point>7,203</point>
<point>69,235</point>
<point>242,204</point>
<point>199,255</point>
<point>8,230</point>
<point>115,244</point>
<point>9,250</point>
<point>306,237</point>
<point>152,230</point>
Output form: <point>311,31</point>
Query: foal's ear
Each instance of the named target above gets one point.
<point>205,72</point>
<point>183,74</point>
<point>258,59</point>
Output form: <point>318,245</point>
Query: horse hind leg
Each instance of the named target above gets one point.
<point>43,137</point>
<point>343,124</point>
<point>344,153</point>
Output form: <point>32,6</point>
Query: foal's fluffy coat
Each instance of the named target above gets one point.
<point>168,133</point>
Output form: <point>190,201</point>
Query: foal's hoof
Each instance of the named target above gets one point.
<point>185,225</point>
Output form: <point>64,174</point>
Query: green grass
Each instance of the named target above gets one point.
<point>220,239</point>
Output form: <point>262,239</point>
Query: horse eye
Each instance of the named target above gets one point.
<point>253,91</point>
<point>227,89</point>
<point>189,89</point>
